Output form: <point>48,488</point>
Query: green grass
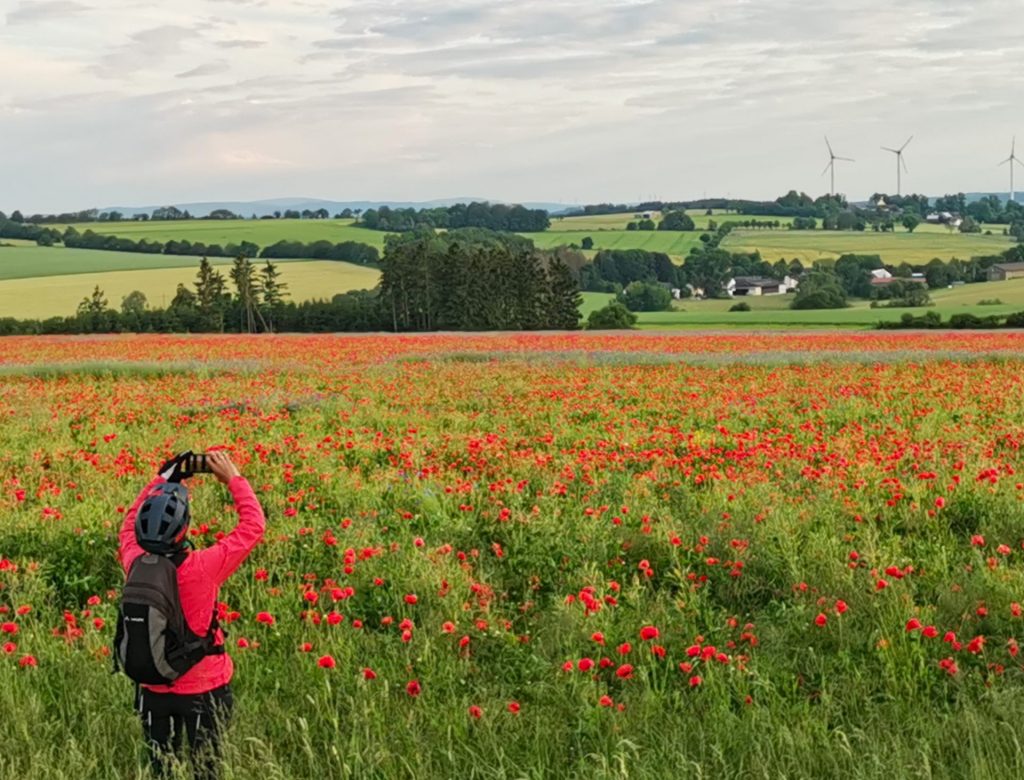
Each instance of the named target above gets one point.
<point>263,231</point>
<point>32,298</point>
<point>895,248</point>
<point>773,310</point>
<point>676,244</point>
<point>30,262</point>
<point>597,222</point>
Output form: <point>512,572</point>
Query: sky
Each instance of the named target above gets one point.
<point>134,102</point>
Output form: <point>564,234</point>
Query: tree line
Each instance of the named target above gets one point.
<point>492,216</point>
<point>349,251</point>
<point>475,280</point>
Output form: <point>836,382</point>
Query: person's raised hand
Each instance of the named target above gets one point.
<point>221,466</point>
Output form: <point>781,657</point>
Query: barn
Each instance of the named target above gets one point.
<point>1004,271</point>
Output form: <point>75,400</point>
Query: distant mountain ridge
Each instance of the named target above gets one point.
<point>266,208</point>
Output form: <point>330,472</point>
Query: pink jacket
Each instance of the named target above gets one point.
<point>199,579</point>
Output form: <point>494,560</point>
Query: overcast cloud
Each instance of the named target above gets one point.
<point>121,102</point>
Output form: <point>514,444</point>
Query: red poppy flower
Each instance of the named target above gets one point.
<point>369,674</point>
<point>696,680</point>
<point>585,664</point>
<point>27,661</point>
<point>475,712</point>
<point>265,618</point>
<point>605,701</point>
<point>413,688</point>
<point>648,633</point>
<point>326,662</point>
<point>624,672</point>
<point>9,628</point>
<point>513,707</point>
<point>821,619</point>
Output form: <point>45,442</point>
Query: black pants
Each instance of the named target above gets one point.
<point>168,717</point>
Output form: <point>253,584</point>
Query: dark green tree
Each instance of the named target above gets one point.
<point>614,316</point>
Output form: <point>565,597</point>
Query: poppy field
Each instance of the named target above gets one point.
<point>539,556</point>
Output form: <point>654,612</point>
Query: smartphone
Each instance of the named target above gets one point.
<point>197,464</point>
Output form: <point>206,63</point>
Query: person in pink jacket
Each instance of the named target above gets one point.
<point>200,701</point>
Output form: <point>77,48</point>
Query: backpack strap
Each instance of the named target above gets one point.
<point>202,646</point>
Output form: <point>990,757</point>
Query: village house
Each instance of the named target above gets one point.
<point>759,285</point>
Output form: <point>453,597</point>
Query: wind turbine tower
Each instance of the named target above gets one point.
<point>1012,160</point>
<point>832,165</point>
<point>900,164</point>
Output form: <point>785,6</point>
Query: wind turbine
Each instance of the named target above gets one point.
<point>832,164</point>
<point>1013,158</point>
<point>900,162</point>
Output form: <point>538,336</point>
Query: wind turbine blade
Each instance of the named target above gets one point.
<point>1018,161</point>
<point>846,159</point>
<point>1011,158</point>
<point>907,143</point>
<point>830,152</point>
<point>905,168</point>
<point>894,151</point>
<point>826,168</point>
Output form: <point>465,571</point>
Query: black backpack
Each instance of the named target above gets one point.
<point>153,643</point>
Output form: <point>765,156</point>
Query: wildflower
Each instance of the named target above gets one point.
<point>369,674</point>
<point>913,624</point>
<point>624,672</point>
<point>841,607</point>
<point>696,680</point>
<point>413,688</point>
<point>27,661</point>
<point>265,618</point>
<point>475,712</point>
<point>9,628</point>
<point>411,598</point>
<point>326,662</point>
<point>821,619</point>
<point>598,637</point>
<point>605,701</point>
<point>513,707</point>
<point>930,632</point>
<point>585,664</point>
<point>648,633</point>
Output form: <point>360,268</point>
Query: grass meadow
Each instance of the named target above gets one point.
<point>772,311</point>
<point>918,247</point>
<point>598,556</point>
<point>59,295</point>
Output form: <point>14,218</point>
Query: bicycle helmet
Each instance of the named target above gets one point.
<point>163,518</point>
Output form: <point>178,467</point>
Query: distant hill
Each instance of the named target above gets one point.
<point>265,208</point>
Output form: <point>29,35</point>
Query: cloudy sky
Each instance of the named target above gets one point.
<point>132,102</point>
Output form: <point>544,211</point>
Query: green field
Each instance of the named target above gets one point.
<point>671,243</point>
<point>774,311</point>
<point>619,221</point>
<point>31,261</point>
<point>915,248</point>
<point>59,295</point>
